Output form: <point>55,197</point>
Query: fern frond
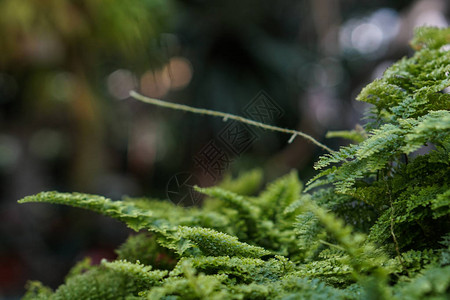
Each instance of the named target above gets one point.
<point>363,257</point>
<point>143,247</point>
<point>242,205</point>
<point>37,291</point>
<point>245,184</point>
<point>430,37</point>
<point>344,153</point>
<point>434,127</point>
<point>143,276</point>
<point>214,243</point>
<point>296,287</point>
<point>441,204</point>
<point>128,213</point>
<point>190,286</point>
<point>279,195</point>
<point>246,270</point>
<point>356,136</point>
<point>432,284</point>
<point>97,284</point>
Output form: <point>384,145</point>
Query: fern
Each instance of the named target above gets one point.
<point>410,111</point>
<point>372,224</point>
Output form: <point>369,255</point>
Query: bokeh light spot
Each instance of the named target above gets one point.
<point>367,38</point>
<point>431,18</point>
<point>155,83</point>
<point>180,72</point>
<point>120,83</point>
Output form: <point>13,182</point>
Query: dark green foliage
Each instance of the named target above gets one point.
<point>378,230</point>
<point>434,283</point>
<point>36,290</point>
<point>144,248</point>
<point>101,282</point>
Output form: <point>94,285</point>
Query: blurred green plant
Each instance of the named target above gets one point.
<point>78,29</point>
<point>61,51</point>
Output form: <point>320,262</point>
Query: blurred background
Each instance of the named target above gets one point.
<point>68,124</point>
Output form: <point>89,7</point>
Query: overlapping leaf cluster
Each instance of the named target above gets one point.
<point>401,170</point>
<point>379,229</point>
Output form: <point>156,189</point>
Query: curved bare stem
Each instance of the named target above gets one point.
<point>226,117</point>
